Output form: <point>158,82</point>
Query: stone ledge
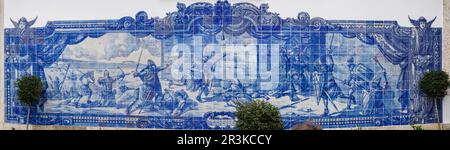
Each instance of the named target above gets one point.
<point>7,126</point>
<point>446,65</point>
<point>2,114</point>
<point>57,128</point>
<point>433,126</point>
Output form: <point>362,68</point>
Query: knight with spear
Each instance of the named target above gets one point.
<point>151,87</point>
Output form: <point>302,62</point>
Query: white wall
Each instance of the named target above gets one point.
<point>399,10</point>
<point>446,109</point>
<point>446,56</point>
<point>328,9</point>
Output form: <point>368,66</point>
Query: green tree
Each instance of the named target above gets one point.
<point>434,84</point>
<point>258,115</point>
<point>29,92</point>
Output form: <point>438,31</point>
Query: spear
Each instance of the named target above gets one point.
<point>139,59</point>
<point>65,75</point>
<point>213,66</point>
<point>331,101</point>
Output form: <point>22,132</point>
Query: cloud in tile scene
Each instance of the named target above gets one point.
<point>112,46</point>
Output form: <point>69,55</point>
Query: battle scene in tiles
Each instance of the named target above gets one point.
<point>188,69</point>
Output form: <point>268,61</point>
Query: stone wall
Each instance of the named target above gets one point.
<point>446,56</point>
<point>2,114</point>
<point>446,35</point>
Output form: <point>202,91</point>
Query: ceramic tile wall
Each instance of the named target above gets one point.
<point>185,70</point>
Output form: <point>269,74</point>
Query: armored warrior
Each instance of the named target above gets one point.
<point>151,87</point>
<point>294,86</point>
<point>107,93</point>
<point>351,82</point>
<point>86,80</point>
<point>316,84</point>
<point>73,91</point>
<point>377,85</point>
<point>329,90</point>
<point>204,82</point>
<point>56,84</point>
<point>184,103</point>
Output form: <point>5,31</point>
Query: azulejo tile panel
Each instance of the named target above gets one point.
<point>186,70</point>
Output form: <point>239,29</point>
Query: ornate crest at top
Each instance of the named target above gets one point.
<point>181,7</point>
<point>303,17</point>
<point>23,23</point>
<point>421,23</point>
<point>301,52</point>
<point>264,7</point>
<point>223,8</point>
<point>223,3</point>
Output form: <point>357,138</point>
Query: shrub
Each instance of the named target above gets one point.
<point>258,115</point>
<point>434,84</point>
<point>416,127</point>
<point>29,92</point>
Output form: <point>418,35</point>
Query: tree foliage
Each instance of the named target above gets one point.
<point>258,115</point>
<point>29,90</point>
<point>435,83</point>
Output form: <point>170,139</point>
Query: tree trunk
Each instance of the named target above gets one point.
<point>437,113</point>
<point>28,116</point>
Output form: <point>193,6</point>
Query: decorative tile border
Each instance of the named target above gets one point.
<point>203,19</point>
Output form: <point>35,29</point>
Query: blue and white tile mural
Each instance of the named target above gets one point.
<point>186,70</point>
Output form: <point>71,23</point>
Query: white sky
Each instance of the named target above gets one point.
<point>49,10</point>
